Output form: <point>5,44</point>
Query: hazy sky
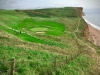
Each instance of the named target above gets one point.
<point>10,4</point>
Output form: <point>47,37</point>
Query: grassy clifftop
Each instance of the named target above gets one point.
<point>45,42</point>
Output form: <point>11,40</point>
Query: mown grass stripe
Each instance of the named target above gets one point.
<point>29,38</point>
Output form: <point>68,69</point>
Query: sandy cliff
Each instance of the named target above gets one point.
<point>92,34</point>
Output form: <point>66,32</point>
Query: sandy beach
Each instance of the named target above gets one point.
<point>94,35</point>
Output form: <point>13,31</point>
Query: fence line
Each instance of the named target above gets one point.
<point>12,67</point>
<point>55,63</point>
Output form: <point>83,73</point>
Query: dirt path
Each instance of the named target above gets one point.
<point>81,40</point>
<point>77,26</point>
<point>93,50</point>
<point>94,53</point>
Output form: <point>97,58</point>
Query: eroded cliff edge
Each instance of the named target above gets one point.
<point>89,32</point>
<point>92,34</point>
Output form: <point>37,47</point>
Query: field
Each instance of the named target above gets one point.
<point>45,42</point>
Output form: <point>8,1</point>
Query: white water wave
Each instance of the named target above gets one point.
<point>93,20</point>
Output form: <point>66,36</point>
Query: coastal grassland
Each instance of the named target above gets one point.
<point>52,12</point>
<point>34,52</point>
<point>54,28</point>
<point>80,33</point>
<point>7,24</point>
<point>38,62</point>
<point>25,59</point>
<point>11,18</point>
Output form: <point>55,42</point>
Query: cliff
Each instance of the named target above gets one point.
<point>92,34</point>
<point>79,11</point>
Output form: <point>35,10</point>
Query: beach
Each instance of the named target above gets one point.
<point>93,28</point>
<point>94,34</point>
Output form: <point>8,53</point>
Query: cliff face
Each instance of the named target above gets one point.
<point>86,33</point>
<point>79,11</point>
<point>89,33</point>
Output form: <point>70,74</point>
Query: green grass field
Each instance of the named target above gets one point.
<point>35,37</point>
<point>54,28</point>
<point>36,62</point>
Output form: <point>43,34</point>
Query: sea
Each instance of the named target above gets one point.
<point>92,17</point>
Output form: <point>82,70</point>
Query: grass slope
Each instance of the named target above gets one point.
<point>34,52</point>
<point>36,62</point>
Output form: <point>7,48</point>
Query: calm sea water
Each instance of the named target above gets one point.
<point>93,18</point>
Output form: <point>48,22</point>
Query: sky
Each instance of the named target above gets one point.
<point>32,4</point>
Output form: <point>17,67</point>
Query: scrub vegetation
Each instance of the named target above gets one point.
<point>37,39</point>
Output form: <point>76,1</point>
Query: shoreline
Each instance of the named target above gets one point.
<point>93,33</point>
<point>93,25</point>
